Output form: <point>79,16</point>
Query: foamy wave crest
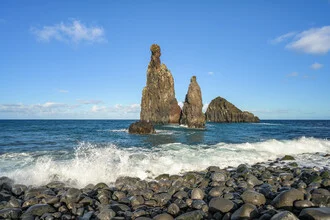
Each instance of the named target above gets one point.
<point>92,164</point>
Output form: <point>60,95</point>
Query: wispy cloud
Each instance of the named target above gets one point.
<point>316,66</point>
<point>210,73</point>
<point>293,74</point>
<point>118,108</point>
<point>283,37</point>
<point>62,110</point>
<point>70,32</point>
<point>89,102</point>
<point>63,91</point>
<point>311,41</point>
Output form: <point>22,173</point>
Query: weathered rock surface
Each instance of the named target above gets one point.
<point>192,114</point>
<point>158,104</point>
<point>141,127</point>
<point>220,110</point>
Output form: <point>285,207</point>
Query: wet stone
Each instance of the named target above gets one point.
<point>194,215</point>
<point>253,197</point>
<point>315,213</point>
<point>246,211</point>
<point>220,205</point>
<point>284,215</point>
<point>163,216</point>
<point>173,209</point>
<point>10,213</point>
<point>197,193</point>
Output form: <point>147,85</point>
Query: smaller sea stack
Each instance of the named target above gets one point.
<point>192,114</point>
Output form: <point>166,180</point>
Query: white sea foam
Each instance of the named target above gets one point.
<point>93,164</point>
<point>119,130</point>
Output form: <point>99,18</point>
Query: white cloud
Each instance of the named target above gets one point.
<point>97,108</point>
<point>205,107</point>
<point>293,74</point>
<point>48,107</point>
<point>283,38</point>
<point>71,32</point>
<point>210,73</point>
<point>63,91</point>
<point>316,66</point>
<point>89,102</point>
<point>311,41</point>
<point>180,104</point>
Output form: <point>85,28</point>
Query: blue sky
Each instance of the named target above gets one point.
<point>88,59</point>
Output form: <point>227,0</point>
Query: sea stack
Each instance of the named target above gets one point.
<point>192,114</point>
<point>222,111</point>
<point>158,104</point>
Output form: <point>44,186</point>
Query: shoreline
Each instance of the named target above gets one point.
<point>270,190</point>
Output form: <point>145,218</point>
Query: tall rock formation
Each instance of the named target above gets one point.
<point>220,110</point>
<point>158,104</point>
<point>192,114</point>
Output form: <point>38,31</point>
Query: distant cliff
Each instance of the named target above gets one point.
<point>220,110</point>
<point>158,104</point>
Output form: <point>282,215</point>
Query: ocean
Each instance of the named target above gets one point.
<point>79,152</point>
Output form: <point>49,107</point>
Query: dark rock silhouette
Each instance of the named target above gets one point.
<point>220,110</point>
<point>158,104</point>
<point>141,127</point>
<point>192,114</point>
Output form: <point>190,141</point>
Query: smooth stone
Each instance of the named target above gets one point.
<point>252,180</point>
<point>218,177</point>
<point>285,199</point>
<point>39,210</point>
<point>173,209</point>
<point>197,193</point>
<point>6,183</point>
<point>136,200</point>
<point>10,213</point>
<point>198,204</point>
<point>246,211</point>
<point>216,191</point>
<point>106,214</point>
<point>284,215</point>
<point>18,189</point>
<point>321,197</point>
<point>71,196</point>
<point>163,216</point>
<point>286,176</point>
<point>315,213</point>
<point>287,157</point>
<point>220,204</point>
<point>301,204</point>
<point>253,197</point>
<point>138,213</point>
<point>162,198</point>
<point>56,185</point>
<point>30,202</point>
<point>194,215</point>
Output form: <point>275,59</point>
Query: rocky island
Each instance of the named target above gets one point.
<point>159,105</point>
<point>220,110</point>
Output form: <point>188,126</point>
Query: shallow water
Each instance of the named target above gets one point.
<point>91,151</point>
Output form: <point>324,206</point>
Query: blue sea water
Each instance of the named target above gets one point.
<point>80,152</point>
